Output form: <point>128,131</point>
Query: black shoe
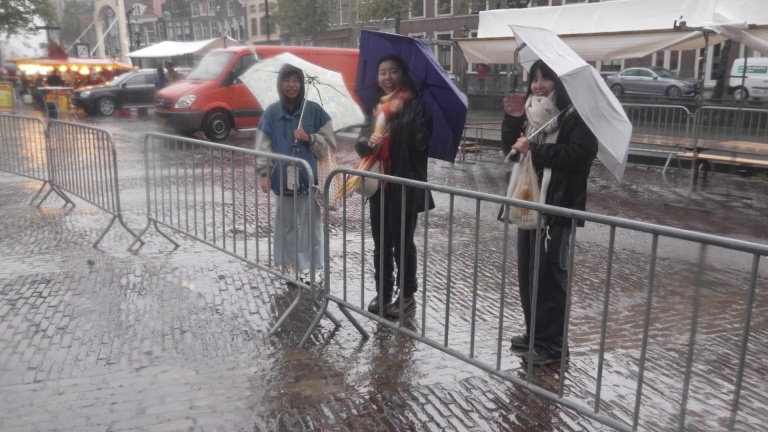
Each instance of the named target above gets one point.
<point>373,306</point>
<point>521,341</point>
<point>539,358</point>
<point>409,305</point>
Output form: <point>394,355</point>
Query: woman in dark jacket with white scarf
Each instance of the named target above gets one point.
<point>562,154</point>
<point>399,128</point>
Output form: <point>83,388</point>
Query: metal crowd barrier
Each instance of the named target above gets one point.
<point>24,151</point>
<point>730,131</point>
<point>660,129</point>
<point>468,289</point>
<point>713,123</point>
<point>83,162</point>
<point>210,192</point>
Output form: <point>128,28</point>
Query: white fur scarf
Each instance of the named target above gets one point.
<point>538,111</point>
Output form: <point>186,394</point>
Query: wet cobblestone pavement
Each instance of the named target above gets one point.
<point>162,339</point>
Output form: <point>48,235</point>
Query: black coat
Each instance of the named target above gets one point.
<point>570,159</point>
<point>410,133</point>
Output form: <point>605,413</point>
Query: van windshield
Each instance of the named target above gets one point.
<point>211,66</point>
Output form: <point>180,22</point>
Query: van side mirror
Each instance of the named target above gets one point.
<point>230,78</point>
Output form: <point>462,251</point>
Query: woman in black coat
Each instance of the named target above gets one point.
<point>399,128</point>
<point>562,155</point>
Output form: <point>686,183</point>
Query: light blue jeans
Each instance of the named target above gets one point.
<point>294,243</point>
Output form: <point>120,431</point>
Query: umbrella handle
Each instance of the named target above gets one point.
<point>301,117</point>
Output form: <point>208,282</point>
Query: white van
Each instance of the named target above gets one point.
<point>753,84</point>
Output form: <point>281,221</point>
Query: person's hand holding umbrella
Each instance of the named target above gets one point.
<point>522,144</point>
<point>301,135</point>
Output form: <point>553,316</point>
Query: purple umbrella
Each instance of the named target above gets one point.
<point>433,86</point>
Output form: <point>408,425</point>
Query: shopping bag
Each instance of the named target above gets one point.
<point>325,166</point>
<point>523,186</point>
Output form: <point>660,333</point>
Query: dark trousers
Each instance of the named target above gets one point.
<point>388,247</point>
<point>553,284</point>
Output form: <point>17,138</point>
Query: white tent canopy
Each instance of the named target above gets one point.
<point>623,29</point>
<point>174,48</point>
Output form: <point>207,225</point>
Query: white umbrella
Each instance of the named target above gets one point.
<point>324,86</point>
<point>592,98</point>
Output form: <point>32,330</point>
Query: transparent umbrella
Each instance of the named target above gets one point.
<point>324,86</point>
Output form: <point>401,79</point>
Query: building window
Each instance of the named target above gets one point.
<point>212,8</point>
<point>206,30</point>
<point>332,12</point>
<point>262,26</point>
<point>136,9</point>
<point>171,33</point>
<point>203,9</point>
<point>230,8</point>
<point>175,5</point>
<point>241,33</point>
<point>195,9</point>
<point>187,31</point>
<point>343,11</point>
<point>613,66</point>
<point>254,28</point>
<point>215,32</point>
<point>151,40</point>
<point>443,7</point>
<point>417,9</point>
<point>179,32</point>
<point>445,52</point>
<point>198,29</point>
<point>477,5</point>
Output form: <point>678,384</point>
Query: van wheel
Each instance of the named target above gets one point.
<point>105,106</point>
<point>740,94</point>
<point>674,92</point>
<point>617,89</point>
<point>217,125</point>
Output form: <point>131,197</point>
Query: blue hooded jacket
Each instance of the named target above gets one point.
<point>279,122</point>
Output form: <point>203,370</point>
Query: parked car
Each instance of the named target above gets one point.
<point>752,84</point>
<point>652,81</point>
<point>134,89</point>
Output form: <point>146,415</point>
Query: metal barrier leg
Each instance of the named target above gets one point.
<point>143,231</point>
<point>109,225</point>
<point>58,192</point>
<point>666,165</point>
<point>323,311</point>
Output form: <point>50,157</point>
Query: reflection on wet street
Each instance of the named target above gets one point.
<point>177,339</point>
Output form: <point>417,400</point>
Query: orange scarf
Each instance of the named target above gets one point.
<point>384,113</point>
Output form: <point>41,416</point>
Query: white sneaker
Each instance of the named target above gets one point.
<point>305,276</point>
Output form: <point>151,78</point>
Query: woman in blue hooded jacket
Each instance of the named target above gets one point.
<point>279,132</point>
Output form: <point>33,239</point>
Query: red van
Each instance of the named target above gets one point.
<point>212,98</point>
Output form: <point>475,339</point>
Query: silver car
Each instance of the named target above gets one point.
<point>652,81</point>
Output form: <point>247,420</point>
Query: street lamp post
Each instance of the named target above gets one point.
<point>463,33</point>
